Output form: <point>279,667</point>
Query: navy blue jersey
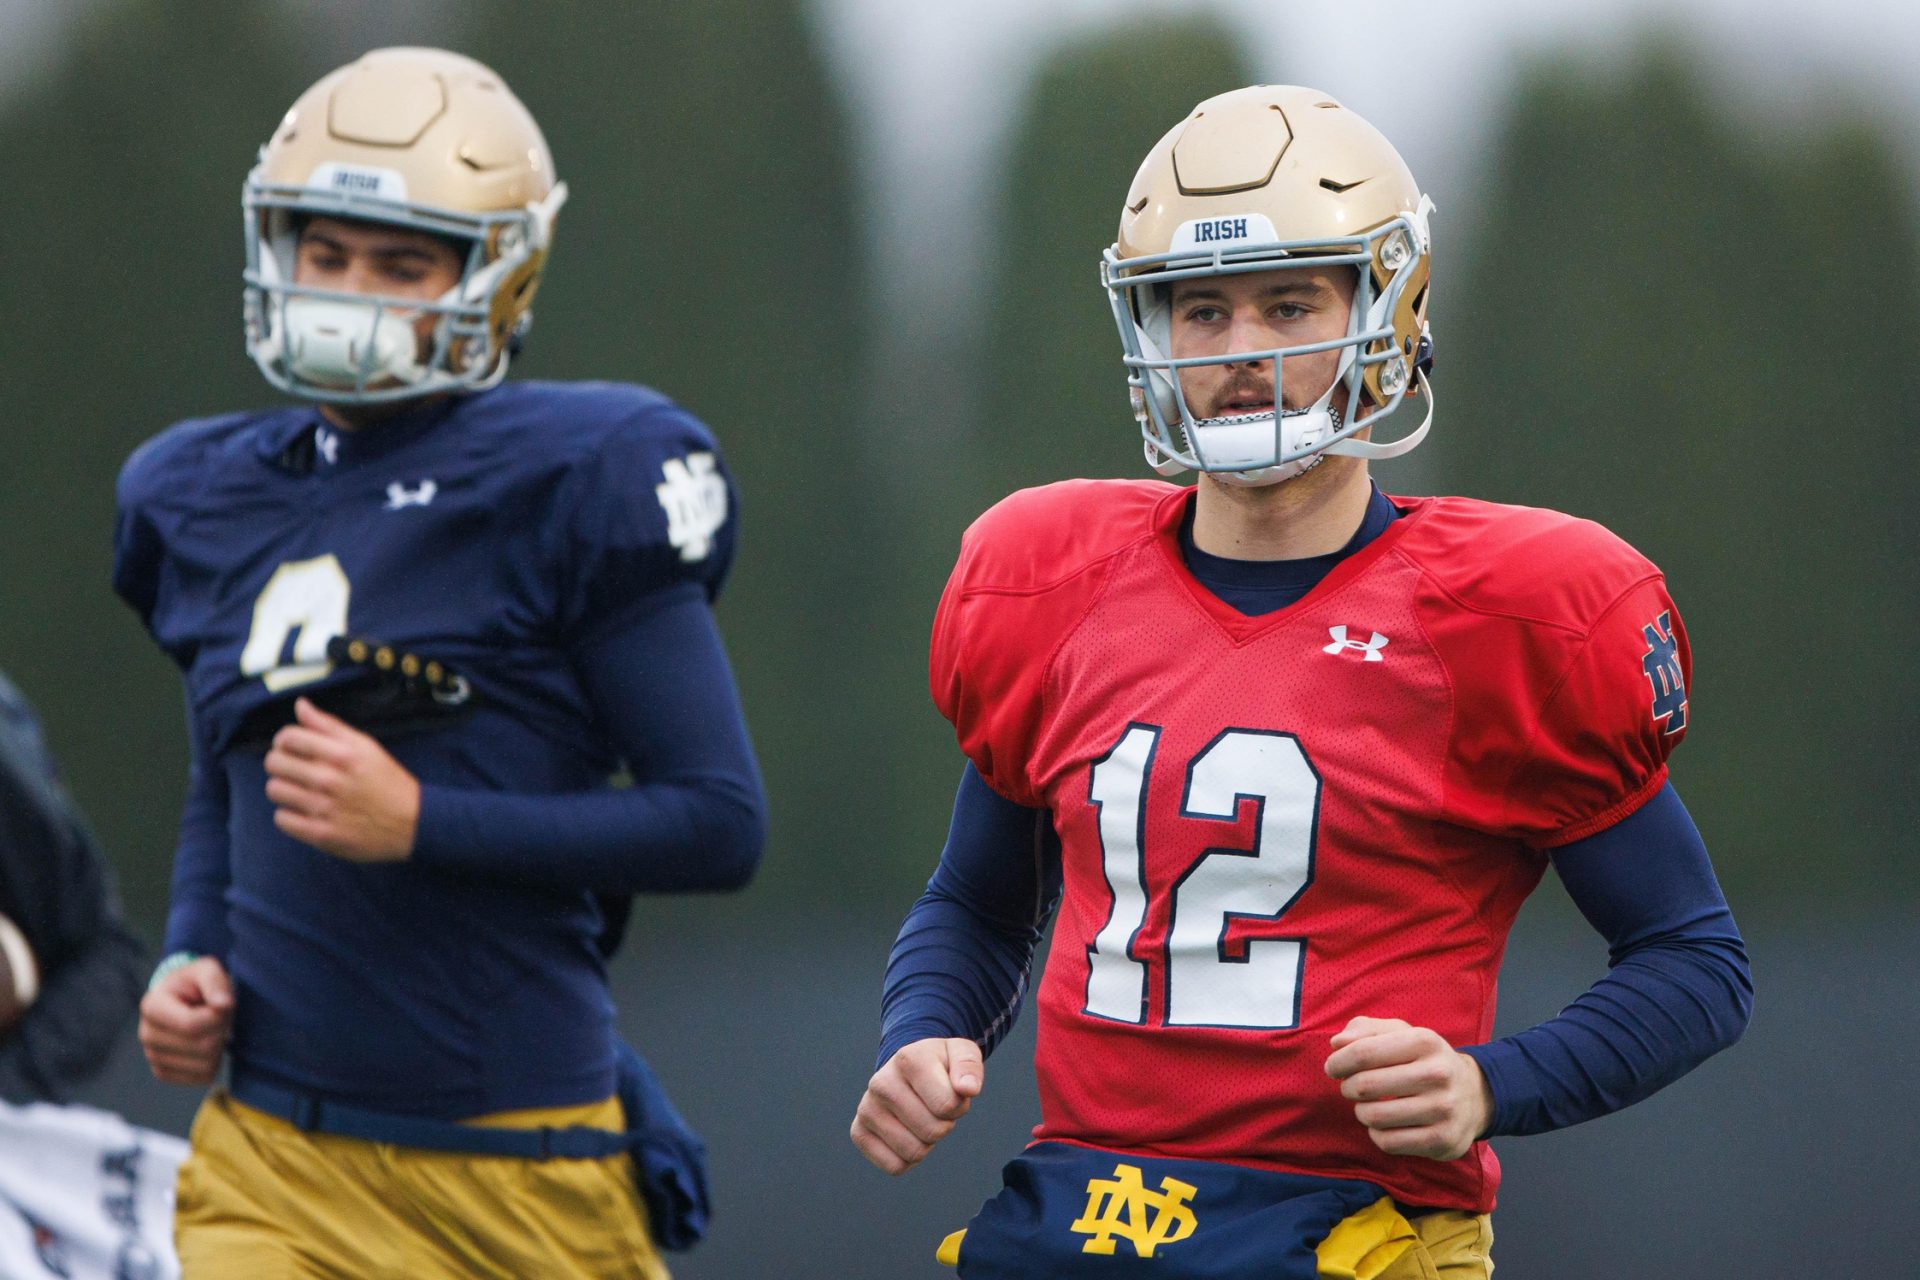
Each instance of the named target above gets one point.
<point>509,538</point>
<point>491,532</point>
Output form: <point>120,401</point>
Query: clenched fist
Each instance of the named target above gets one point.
<point>913,1101</point>
<point>1416,1094</point>
<point>185,1019</point>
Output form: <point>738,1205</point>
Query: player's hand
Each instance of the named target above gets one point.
<point>338,790</point>
<point>185,1020</point>
<point>1416,1094</point>
<point>913,1101</point>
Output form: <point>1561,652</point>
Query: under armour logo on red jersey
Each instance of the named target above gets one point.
<point>1369,648</point>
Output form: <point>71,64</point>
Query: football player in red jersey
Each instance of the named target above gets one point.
<point>1287,755</point>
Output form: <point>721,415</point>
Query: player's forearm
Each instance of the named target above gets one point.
<point>953,973</point>
<point>700,835</point>
<point>1655,1017</point>
<point>197,910</point>
<point>1679,989</point>
<point>959,966</point>
<point>696,819</point>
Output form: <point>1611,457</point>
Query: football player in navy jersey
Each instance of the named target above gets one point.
<point>422,617</point>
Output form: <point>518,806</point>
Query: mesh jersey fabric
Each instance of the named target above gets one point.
<point>1346,800</point>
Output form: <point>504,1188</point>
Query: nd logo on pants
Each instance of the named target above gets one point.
<point>1074,1213</point>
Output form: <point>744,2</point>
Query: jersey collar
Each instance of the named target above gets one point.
<point>1173,511</point>
<point>293,443</point>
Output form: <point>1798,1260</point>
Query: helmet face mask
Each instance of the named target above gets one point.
<point>1285,208</point>
<point>418,139</point>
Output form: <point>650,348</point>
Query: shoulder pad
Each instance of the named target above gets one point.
<point>1524,562</point>
<point>178,454</point>
<point>1042,536</point>
<point>587,414</point>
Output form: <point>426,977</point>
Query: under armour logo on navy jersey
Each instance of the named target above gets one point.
<point>694,496</point>
<point>1662,665</point>
<point>398,495</point>
<point>1369,648</point>
<point>328,445</point>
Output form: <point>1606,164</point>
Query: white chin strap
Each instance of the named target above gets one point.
<point>349,344</point>
<point>1230,442</point>
<point>1243,440</point>
<point>1230,445</point>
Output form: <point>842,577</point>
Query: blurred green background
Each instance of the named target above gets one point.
<point>1655,306</point>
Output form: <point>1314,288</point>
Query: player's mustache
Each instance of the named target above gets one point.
<point>1243,388</point>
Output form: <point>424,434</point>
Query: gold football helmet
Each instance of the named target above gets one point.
<point>1270,178</point>
<point>418,138</point>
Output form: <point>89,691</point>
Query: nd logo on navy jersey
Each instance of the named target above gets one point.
<point>1662,665</point>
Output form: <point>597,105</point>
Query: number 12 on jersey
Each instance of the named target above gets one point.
<point>1207,985</point>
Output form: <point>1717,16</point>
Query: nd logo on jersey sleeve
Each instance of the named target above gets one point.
<point>693,493</point>
<point>1662,665</point>
<point>1074,1213</point>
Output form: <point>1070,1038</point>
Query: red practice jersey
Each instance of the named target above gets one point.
<point>1272,825</point>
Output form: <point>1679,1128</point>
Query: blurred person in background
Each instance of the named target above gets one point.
<point>82,1193</point>
<point>69,967</point>
<point>423,617</point>
<point>1287,754</point>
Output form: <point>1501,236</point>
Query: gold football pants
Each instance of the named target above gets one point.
<point>1453,1246</point>
<point>260,1200</point>
<point>1379,1244</point>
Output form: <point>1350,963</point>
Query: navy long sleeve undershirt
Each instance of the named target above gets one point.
<point>695,819</point>
<point>1677,989</point>
<point>197,910</point>
<point>959,966</point>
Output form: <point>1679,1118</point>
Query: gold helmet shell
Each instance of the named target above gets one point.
<point>1274,177</point>
<point>420,138</point>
